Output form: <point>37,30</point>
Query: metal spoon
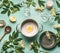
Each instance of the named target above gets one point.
<point>7,30</point>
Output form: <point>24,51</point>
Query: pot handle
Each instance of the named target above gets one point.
<point>18,28</point>
<point>40,27</point>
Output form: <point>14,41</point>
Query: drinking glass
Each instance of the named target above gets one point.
<point>26,10</point>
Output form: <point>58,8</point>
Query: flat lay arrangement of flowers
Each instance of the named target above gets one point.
<point>29,26</point>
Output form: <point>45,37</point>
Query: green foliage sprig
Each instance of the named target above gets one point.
<point>58,4</point>
<point>58,13</point>
<point>57,17</point>
<point>13,44</point>
<point>9,7</point>
<point>58,37</point>
<point>30,2</point>
<point>35,46</point>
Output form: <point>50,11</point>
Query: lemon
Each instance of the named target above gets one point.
<point>12,19</point>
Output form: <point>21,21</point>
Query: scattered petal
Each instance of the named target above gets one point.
<point>53,12</point>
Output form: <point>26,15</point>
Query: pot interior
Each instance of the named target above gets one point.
<point>29,27</point>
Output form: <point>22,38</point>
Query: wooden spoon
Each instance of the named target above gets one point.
<point>7,30</point>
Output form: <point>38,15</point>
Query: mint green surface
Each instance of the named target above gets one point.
<point>20,17</point>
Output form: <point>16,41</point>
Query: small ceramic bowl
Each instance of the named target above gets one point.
<point>2,23</point>
<point>29,27</point>
<point>48,43</point>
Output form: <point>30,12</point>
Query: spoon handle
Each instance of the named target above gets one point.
<point>2,36</point>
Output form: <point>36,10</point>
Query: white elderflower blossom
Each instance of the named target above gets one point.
<point>22,44</point>
<point>30,46</point>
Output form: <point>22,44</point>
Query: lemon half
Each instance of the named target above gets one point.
<point>12,19</point>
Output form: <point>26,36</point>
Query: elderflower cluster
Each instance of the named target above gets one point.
<point>22,44</point>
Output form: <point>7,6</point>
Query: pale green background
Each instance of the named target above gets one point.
<point>20,17</point>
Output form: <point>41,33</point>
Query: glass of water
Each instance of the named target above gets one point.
<point>26,10</point>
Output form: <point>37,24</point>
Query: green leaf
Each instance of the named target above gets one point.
<point>29,0</point>
<point>58,30</point>
<point>16,8</point>
<point>15,43</point>
<point>1,5</point>
<point>5,9</point>
<point>18,39</point>
<point>11,46</point>
<point>33,4</point>
<point>6,52</point>
<point>37,44</point>
<point>58,42</point>
<point>18,5</point>
<point>9,12</point>
<point>57,17</point>
<point>11,3</point>
<point>10,38</point>
<point>41,3</point>
<point>0,0</point>
<point>28,4</point>
<point>36,50</point>
<point>8,5</point>
<point>5,1</point>
<point>58,4</point>
<point>5,47</point>
<point>7,42</point>
<point>13,33</point>
<point>16,35</point>
<point>59,20</point>
<point>3,12</point>
<point>58,37</point>
<point>19,51</point>
<point>11,52</point>
<point>11,8</point>
<point>4,5</point>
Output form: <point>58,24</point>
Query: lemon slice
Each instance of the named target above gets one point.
<point>12,19</point>
<point>29,28</point>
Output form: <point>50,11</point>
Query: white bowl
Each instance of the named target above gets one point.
<point>22,28</point>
